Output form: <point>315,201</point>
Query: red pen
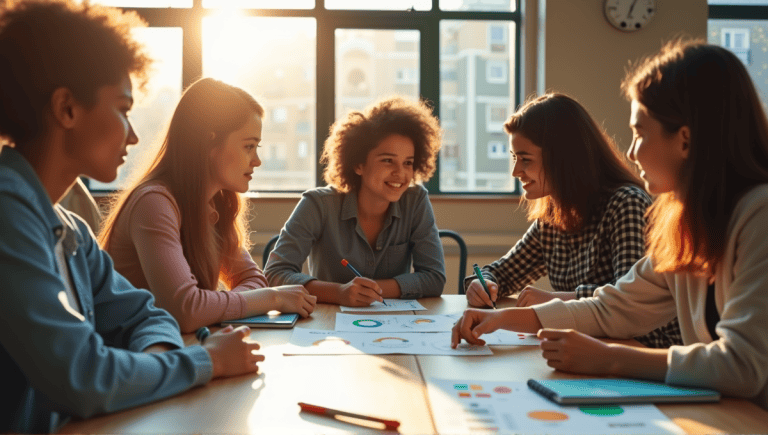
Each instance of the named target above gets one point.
<point>321,410</point>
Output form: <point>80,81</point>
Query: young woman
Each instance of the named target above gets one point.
<point>586,205</point>
<point>701,141</point>
<point>76,335</point>
<point>371,214</point>
<point>181,227</point>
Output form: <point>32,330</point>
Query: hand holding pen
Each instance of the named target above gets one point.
<point>484,297</point>
<point>359,292</point>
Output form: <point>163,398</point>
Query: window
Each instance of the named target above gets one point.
<point>279,115</point>
<point>742,26</point>
<point>406,76</point>
<point>262,4</point>
<point>375,65</point>
<point>496,71</point>
<point>495,116</point>
<point>146,3</point>
<point>154,107</point>
<point>497,39</point>
<point>497,150</point>
<point>308,62</point>
<point>737,40</point>
<point>303,150</point>
<point>479,98</point>
<point>249,52</point>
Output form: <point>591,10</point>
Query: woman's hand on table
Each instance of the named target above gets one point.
<point>295,299</point>
<point>575,352</point>
<point>231,354</point>
<point>475,323</point>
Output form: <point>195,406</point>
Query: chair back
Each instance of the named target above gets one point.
<point>462,254</point>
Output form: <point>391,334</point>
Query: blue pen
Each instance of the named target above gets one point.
<point>345,263</point>
<point>482,282</point>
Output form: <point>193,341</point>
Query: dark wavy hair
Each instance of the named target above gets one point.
<point>708,89</point>
<point>46,45</point>
<point>356,134</point>
<point>581,163</point>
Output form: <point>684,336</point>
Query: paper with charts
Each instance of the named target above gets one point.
<point>324,342</point>
<point>461,406</point>
<point>392,305</point>
<point>427,324</point>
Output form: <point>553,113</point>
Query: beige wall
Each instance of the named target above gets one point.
<point>587,58</point>
<point>584,57</point>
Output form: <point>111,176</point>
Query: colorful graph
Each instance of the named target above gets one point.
<point>392,342</point>
<point>548,416</point>
<point>420,321</point>
<point>331,341</point>
<point>367,323</point>
<point>602,411</point>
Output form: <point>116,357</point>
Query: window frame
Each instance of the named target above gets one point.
<point>327,21</point>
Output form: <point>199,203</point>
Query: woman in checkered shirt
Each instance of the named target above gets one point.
<point>587,209</point>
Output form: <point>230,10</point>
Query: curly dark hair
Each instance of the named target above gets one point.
<point>356,134</point>
<point>46,45</point>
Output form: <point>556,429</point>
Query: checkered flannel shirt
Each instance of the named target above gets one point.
<point>599,254</point>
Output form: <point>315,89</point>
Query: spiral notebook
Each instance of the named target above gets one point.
<point>601,391</point>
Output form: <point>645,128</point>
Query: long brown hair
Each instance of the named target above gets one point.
<point>581,163</point>
<point>707,88</point>
<point>209,110</point>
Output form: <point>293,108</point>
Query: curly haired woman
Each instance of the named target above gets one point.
<point>372,213</point>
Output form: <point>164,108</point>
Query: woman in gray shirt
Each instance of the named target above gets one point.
<point>371,213</point>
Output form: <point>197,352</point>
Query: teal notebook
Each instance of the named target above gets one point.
<point>266,321</point>
<point>601,391</point>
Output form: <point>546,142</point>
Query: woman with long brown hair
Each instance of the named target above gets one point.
<point>587,208</point>
<point>181,227</point>
<point>700,137</point>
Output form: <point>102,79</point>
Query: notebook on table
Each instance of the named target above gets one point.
<point>287,320</point>
<point>601,391</point>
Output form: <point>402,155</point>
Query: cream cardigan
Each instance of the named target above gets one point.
<point>736,364</point>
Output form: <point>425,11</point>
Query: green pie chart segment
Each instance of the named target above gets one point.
<point>602,411</point>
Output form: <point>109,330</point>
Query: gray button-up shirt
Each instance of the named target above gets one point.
<point>324,228</point>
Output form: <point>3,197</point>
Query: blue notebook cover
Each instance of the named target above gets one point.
<point>601,391</point>
<point>287,320</point>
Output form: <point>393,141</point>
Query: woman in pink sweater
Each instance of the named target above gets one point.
<point>180,229</point>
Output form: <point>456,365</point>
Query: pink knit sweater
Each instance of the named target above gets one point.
<point>146,249</point>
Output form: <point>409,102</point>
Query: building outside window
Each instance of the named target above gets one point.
<point>308,62</point>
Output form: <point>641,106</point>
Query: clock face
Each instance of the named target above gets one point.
<point>629,15</point>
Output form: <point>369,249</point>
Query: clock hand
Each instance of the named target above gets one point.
<point>631,7</point>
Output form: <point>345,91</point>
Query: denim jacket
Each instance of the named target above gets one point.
<point>57,363</point>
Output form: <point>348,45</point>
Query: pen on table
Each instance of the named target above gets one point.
<point>202,334</point>
<point>315,409</point>
<point>482,282</point>
<point>346,264</point>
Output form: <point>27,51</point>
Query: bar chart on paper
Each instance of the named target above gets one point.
<point>461,406</point>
